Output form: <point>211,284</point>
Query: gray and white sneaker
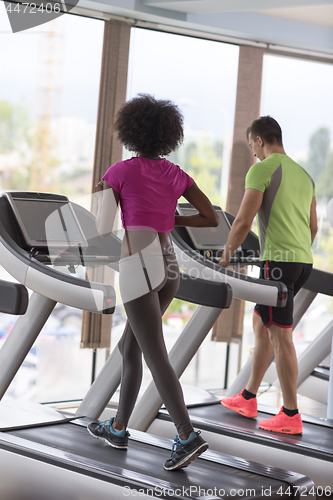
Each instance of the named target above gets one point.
<point>105,432</point>
<point>184,452</point>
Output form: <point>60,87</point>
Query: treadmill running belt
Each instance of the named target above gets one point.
<point>316,441</point>
<point>213,475</point>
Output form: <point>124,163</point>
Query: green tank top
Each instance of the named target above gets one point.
<point>284,216</point>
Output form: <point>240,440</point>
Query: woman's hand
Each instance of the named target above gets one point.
<point>206,216</point>
<point>99,187</point>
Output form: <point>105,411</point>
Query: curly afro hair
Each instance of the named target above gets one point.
<point>150,127</point>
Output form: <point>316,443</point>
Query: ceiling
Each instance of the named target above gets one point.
<point>305,25</point>
<point>320,15</point>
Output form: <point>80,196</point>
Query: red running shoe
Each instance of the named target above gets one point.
<point>246,407</point>
<point>282,423</point>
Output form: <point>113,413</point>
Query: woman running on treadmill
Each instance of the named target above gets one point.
<point>147,187</point>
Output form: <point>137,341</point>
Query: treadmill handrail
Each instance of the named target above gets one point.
<point>243,287</point>
<point>320,282</point>
<point>14,298</point>
<point>204,292</point>
<point>94,297</point>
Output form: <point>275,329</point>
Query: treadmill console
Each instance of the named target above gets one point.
<point>46,220</point>
<point>207,238</point>
<point>210,241</point>
<point>42,229</point>
<point>55,231</point>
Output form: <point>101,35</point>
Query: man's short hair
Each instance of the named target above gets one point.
<point>267,128</point>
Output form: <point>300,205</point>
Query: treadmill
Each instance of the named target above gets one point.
<point>46,453</point>
<point>311,453</point>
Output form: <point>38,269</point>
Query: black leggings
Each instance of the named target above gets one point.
<point>143,334</point>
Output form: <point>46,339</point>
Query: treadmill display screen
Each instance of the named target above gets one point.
<point>48,223</point>
<point>208,238</point>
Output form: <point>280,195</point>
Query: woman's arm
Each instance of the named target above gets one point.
<point>108,200</point>
<point>207,216</point>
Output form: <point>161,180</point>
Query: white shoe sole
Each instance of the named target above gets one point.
<point>189,458</point>
<point>107,441</point>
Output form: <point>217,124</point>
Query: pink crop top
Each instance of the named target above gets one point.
<point>148,192</point>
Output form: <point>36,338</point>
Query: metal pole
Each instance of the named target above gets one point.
<point>103,388</point>
<point>22,338</point>
<point>330,388</point>
<point>93,367</point>
<point>242,378</point>
<point>226,370</point>
<point>302,302</point>
<point>314,353</point>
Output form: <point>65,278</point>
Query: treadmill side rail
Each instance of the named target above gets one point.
<point>14,298</point>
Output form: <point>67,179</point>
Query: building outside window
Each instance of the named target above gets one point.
<point>49,81</point>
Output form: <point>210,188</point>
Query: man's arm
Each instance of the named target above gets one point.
<point>107,208</point>
<point>250,205</point>
<point>313,220</point>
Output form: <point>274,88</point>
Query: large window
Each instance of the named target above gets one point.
<point>298,93</point>
<point>49,81</point>
<point>48,113</point>
<point>48,104</point>
<point>200,76</point>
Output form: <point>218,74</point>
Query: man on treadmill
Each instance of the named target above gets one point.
<point>282,195</point>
